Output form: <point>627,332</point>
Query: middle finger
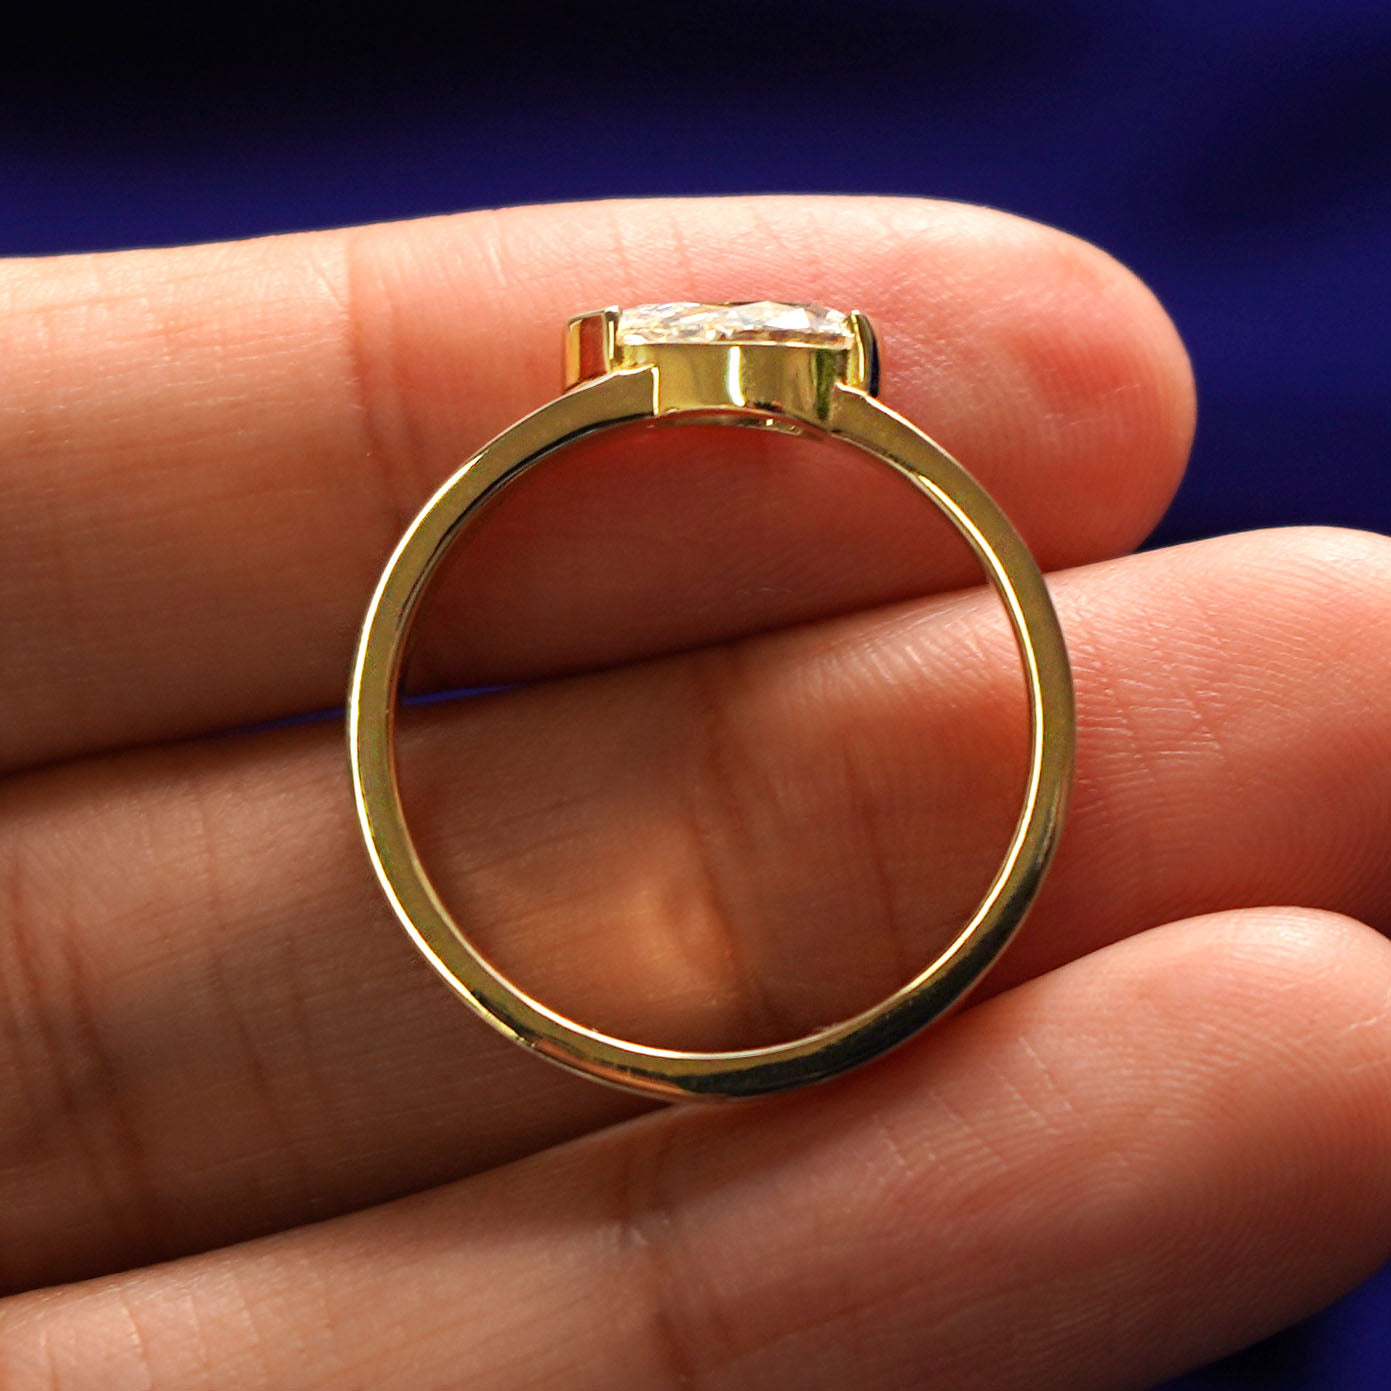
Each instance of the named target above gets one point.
<point>219,1031</point>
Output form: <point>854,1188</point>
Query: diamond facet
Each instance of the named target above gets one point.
<point>757,321</point>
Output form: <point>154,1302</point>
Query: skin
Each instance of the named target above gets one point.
<point>766,754</point>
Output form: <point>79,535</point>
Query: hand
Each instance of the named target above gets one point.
<point>233,1095</point>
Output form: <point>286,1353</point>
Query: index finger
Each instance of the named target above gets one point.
<point>207,453</point>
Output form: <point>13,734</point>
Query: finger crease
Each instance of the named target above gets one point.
<point>714,786</point>
<point>85,1077</point>
<point>645,1227</point>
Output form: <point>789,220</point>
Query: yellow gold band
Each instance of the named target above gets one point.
<point>620,393</point>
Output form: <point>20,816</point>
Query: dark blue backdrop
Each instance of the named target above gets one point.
<point>1236,154</point>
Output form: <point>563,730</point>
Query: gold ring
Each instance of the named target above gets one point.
<point>795,367</point>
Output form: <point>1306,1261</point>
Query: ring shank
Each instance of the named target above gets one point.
<point>859,420</point>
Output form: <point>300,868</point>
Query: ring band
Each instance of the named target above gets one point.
<point>796,367</point>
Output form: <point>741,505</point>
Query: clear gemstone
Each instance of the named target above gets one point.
<point>759,321</point>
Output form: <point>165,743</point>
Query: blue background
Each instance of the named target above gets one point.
<point>1236,154</point>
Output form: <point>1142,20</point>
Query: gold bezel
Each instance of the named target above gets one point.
<point>734,379</point>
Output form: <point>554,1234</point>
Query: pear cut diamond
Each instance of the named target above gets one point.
<point>757,321</point>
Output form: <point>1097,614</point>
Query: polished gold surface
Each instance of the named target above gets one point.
<point>811,388</point>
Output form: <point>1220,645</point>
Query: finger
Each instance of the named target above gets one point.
<point>208,453</point>
<point>215,1027</point>
<point>1144,1160</point>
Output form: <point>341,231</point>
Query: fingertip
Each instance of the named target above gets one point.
<point>1286,1018</point>
<point>1098,388</point>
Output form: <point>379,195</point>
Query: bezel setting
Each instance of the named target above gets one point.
<point>735,360</point>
